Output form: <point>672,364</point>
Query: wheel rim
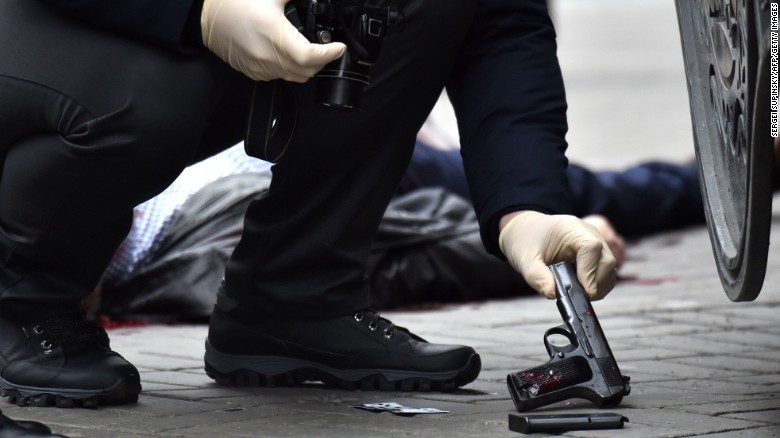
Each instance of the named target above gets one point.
<point>722,55</point>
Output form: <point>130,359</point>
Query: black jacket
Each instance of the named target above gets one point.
<point>508,95</point>
<point>173,23</point>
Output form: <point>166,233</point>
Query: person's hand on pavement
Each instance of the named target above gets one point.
<point>255,38</point>
<point>532,241</point>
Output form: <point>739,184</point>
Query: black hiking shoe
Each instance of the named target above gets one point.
<point>64,361</point>
<point>24,429</point>
<point>358,351</point>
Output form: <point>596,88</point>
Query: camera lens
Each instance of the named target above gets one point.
<point>340,84</point>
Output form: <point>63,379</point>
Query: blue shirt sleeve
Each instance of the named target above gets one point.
<point>508,94</point>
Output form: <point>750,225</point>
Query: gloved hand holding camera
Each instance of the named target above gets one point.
<point>255,38</point>
<point>362,25</point>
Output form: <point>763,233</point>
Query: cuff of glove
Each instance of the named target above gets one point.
<point>506,227</point>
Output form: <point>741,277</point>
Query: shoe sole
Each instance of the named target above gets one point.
<point>270,371</point>
<point>121,393</point>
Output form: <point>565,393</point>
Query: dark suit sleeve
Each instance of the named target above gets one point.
<point>172,23</point>
<point>509,99</point>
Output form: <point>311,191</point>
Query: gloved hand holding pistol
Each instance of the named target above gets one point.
<point>255,38</point>
<point>531,241</point>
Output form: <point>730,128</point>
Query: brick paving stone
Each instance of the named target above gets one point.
<point>769,416</point>
<point>762,379</point>
<point>627,352</point>
<point>722,386</point>
<point>717,318</point>
<point>178,378</point>
<point>658,331</point>
<point>672,370</point>
<point>678,393</point>
<point>731,408</point>
<point>159,361</point>
<point>732,363</point>
<point>741,337</point>
<point>150,387</point>
<point>756,432</point>
<point>690,422</point>
<point>690,345</point>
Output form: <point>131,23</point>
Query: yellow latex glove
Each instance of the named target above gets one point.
<point>531,241</point>
<point>255,38</point>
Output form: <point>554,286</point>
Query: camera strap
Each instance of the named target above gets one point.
<point>273,114</point>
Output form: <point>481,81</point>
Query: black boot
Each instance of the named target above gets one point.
<point>356,351</point>
<point>24,429</point>
<point>63,361</point>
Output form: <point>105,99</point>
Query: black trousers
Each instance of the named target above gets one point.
<point>93,123</point>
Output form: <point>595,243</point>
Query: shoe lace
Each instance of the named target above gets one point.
<point>69,327</point>
<point>373,325</point>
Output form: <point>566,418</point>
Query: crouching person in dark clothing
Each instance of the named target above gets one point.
<point>104,104</point>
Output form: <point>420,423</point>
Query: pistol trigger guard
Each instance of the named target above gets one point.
<point>553,350</point>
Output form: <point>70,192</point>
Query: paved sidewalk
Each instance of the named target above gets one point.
<point>700,365</point>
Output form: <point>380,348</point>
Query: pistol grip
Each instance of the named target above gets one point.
<point>547,384</point>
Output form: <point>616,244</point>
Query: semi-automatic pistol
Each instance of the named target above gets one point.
<point>585,368</point>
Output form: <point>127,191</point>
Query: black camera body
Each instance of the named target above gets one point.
<point>360,24</point>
